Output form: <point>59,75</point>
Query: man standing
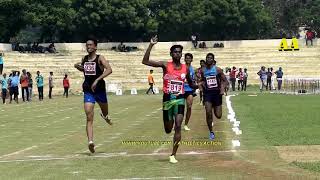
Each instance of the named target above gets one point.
<point>279,75</point>
<point>94,67</point>
<point>14,89</point>
<point>194,40</point>
<point>24,81</point>
<point>174,75</point>
<point>214,82</point>
<point>30,85</point>
<point>1,63</point>
<point>309,37</point>
<point>233,79</point>
<point>4,84</point>
<point>39,80</point>
<point>263,78</point>
<point>245,79</point>
<point>240,79</point>
<point>50,84</point>
<point>151,82</point>
<point>66,85</point>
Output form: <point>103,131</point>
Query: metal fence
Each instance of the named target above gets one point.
<point>301,86</point>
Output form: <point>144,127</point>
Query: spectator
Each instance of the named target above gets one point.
<point>233,78</point>
<point>272,79</point>
<point>240,77</point>
<point>263,77</point>
<point>29,48</point>
<point>309,37</point>
<point>151,82</point>
<point>245,79</point>
<point>34,48</point>
<point>194,40</point>
<point>228,70</point>
<point>66,85</point>
<point>39,80</point>
<point>14,82</point>
<point>52,48</point>
<point>1,63</point>
<point>203,45</point>
<point>4,87</point>
<point>279,74</point>
<point>30,84</point>
<point>121,47</point>
<point>24,85</point>
<point>50,84</point>
<point>269,75</point>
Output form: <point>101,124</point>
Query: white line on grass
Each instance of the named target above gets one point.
<point>18,152</point>
<point>109,155</point>
<point>139,178</point>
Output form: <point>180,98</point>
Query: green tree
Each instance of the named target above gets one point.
<point>115,19</point>
<point>55,17</point>
<point>13,17</point>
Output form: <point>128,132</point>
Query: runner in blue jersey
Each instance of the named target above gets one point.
<point>214,82</point>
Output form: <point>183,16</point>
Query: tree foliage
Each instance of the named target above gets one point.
<point>135,20</point>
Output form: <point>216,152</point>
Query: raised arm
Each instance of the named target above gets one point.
<point>146,58</point>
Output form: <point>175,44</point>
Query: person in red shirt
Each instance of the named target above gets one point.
<point>66,85</point>
<point>309,37</point>
<point>232,75</point>
<point>24,81</point>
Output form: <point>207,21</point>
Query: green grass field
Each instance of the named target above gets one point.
<point>47,140</point>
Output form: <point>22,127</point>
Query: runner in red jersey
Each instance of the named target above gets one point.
<point>174,76</point>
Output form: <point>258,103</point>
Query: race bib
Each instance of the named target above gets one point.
<point>212,81</point>
<point>89,68</point>
<point>175,87</point>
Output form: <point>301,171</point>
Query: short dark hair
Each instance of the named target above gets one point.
<point>202,61</point>
<point>210,54</point>
<point>95,41</point>
<point>188,54</point>
<point>175,46</point>
<point>151,70</point>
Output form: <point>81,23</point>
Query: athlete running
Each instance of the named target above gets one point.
<point>174,75</point>
<point>189,91</point>
<point>214,82</point>
<point>95,67</point>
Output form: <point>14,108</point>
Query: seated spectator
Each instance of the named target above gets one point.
<point>203,45</point>
<point>121,47</point>
<point>52,48</point>
<point>28,47</point>
<point>34,48</point>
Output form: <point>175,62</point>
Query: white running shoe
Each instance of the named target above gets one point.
<point>172,159</point>
<point>91,147</point>
<point>186,128</point>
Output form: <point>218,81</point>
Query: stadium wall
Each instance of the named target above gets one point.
<point>266,43</point>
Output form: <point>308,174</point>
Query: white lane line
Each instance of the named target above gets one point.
<point>18,152</point>
<point>109,155</point>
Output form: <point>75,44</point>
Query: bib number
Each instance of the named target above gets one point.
<point>90,68</point>
<point>212,82</point>
<point>175,87</point>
